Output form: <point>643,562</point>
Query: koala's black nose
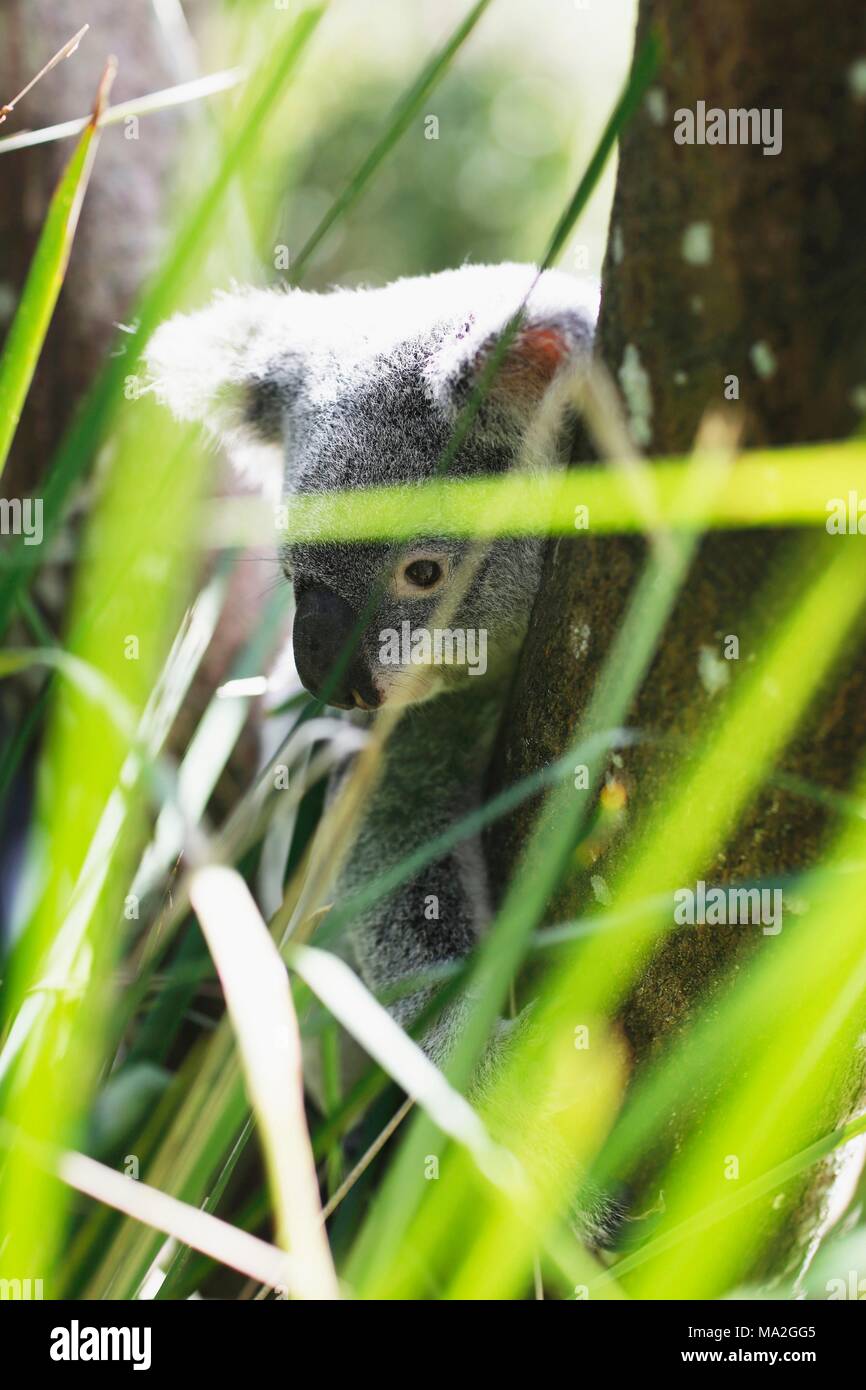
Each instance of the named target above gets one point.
<point>322,636</point>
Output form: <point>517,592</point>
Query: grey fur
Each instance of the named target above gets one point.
<point>358,388</point>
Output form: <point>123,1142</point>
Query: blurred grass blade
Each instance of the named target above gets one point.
<point>807,1015</point>
<point>223,1242</point>
<point>163,100</point>
<point>90,812</point>
<point>794,486</point>
<point>45,277</point>
<point>175,277</point>
<point>260,1006</point>
<point>88,679</point>
<point>738,1201</point>
<point>213,1113</point>
<point>66,51</point>
<point>407,108</point>
<point>354,1006</point>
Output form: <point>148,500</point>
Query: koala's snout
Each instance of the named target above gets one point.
<point>322,636</point>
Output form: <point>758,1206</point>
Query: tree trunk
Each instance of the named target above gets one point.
<point>722,261</point>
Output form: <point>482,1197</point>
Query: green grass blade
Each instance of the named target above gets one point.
<point>642,72</point>
<point>794,486</point>
<point>45,278</point>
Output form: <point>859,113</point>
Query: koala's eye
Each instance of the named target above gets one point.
<point>420,573</point>
<point>423,574</point>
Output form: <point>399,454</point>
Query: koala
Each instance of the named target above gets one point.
<point>357,388</point>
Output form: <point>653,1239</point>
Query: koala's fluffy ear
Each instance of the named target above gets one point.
<point>235,367</point>
<point>556,334</point>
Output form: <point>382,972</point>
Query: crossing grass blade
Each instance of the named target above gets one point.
<point>801,485</point>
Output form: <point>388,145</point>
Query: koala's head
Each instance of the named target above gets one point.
<point>362,388</point>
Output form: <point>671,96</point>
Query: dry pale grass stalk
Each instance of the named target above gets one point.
<point>65,52</point>
<point>259,1003</point>
<point>208,1234</point>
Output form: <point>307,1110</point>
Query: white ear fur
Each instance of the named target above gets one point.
<point>558,321</point>
<point>207,366</point>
